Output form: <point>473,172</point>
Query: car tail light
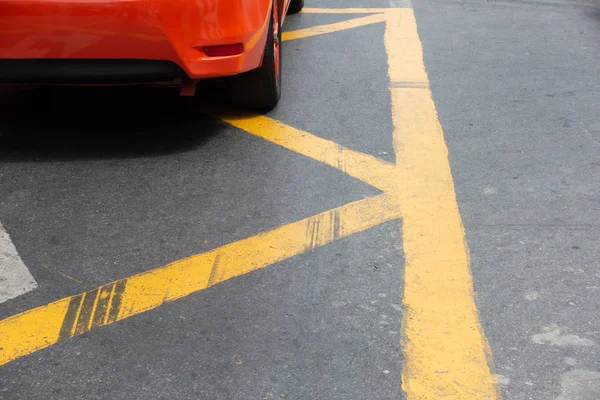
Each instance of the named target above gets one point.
<point>224,50</point>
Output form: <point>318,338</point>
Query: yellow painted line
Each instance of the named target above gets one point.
<point>369,169</point>
<point>308,10</point>
<point>335,27</point>
<point>44,326</point>
<point>446,355</point>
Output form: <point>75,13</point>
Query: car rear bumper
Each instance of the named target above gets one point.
<point>86,71</point>
<point>78,41</point>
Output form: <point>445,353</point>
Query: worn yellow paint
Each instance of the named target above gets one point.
<point>63,274</point>
<point>369,169</point>
<point>446,355</point>
<point>41,327</point>
<point>305,235</point>
<point>335,27</point>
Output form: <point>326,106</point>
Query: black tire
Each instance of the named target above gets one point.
<point>295,6</point>
<point>260,89</point>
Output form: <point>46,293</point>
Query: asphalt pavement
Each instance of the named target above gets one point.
<point>99,185</point>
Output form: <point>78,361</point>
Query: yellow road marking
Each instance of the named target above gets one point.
<point>63,274</point>
<point>308,10</point>
<point>446,352</point>
<point>329,28</point>
<point>44,326</point>
<point>369,169</point>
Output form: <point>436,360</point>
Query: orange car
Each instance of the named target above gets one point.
<point>109,42</point>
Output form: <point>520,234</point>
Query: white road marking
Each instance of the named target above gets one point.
<point>15,278</point>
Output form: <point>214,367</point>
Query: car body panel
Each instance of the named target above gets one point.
<point>172,30</point>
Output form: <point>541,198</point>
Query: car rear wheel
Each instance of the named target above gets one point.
<point>295,6</point>
<point>260,89</point>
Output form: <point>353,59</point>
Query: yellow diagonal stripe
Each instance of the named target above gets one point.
<point>44,326</point>
<point>335,27</point>
<point>446,354</point>
<point>369,169</point>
